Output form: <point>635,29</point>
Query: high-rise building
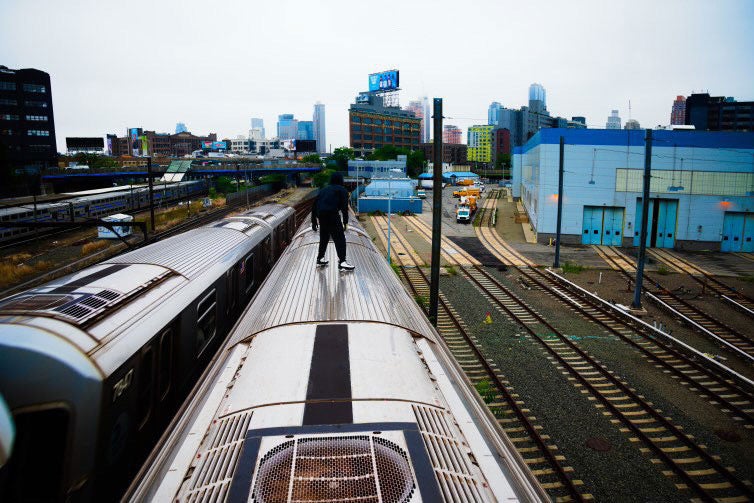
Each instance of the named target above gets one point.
<point>305,130</point>
<point>678,113</point>
<point>374,125</point>
<point>480,143</point>
<point>416,107</point>
<point>287,127</point>
<point>27,127</point>
<point>319,127</point>
<point>257,126</point>
<point>426,124</point>
<point>451,134</point>
<point>493,113</point>
<point>718,113</point>
<point>613,121</point>
<point>632,124</point>
<point>180,127</point>
<point>537,98</point>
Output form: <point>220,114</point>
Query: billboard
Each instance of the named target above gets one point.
<point>306,146</point>
<point>383,81</point>
<point>135,143</point>
<point>144,145</point>
<point>76,143</point>
<point>214,145</point>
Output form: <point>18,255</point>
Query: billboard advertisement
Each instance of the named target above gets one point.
<point>383,81</point>
<point>135,144</point>
<point>306,146</point>
<point>214,145</point>
<point>144,145</point>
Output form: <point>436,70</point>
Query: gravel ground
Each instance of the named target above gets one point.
<point>565,414</point>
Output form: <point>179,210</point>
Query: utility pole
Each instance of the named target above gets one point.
<point>434,283</point>
<point>560,205</point>
<point>644,219</point>
<point>151,193</point>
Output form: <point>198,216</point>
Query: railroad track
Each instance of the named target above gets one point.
<point>718,331</point>
<point>707,281</point>
<point>687,462</point>
<point>512,416</point>
<point>733,398</point>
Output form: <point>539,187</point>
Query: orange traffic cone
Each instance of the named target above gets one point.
<point>488,319</point>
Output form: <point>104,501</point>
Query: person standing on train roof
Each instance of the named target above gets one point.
<point>332,200</point>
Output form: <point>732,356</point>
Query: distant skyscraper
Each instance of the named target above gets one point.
<point>451,134</point>
<point>287,127</point>
<point>305,130</point>
<point>493,113</point>
<point>632,124</point>
<point>613,121</point>
<point>426,121</point>
<point>537,98</point>
<point>258,126</point>
<point>180,127</point>
<point>319,127</point>
<point>416,107</point>
<point>678,114</point>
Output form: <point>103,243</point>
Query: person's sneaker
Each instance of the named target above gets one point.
<point>321,261</point>
<point>345,266</point>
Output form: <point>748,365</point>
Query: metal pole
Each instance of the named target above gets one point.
<point>560,205</point>
<point>434,283</point>
<point>151,193</point>
<point>644,219</point>
<point>389,199</point>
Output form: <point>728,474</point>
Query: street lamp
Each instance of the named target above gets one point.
<point>389,200</point>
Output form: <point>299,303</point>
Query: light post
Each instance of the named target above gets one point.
<point>389,200</point>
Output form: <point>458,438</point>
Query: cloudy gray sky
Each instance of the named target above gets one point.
<point>214,65</point>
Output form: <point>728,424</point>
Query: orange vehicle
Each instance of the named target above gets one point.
<point>465,181</point>
<point>468,191</point>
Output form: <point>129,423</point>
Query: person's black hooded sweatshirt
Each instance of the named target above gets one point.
<point>330,201</point>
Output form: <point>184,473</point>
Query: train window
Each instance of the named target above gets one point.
<point>248,267</point>
<point>145,386</point>
<point>166,362</point>
<point>206,321</point>
<point>35,470</point>
<point>231,290</point>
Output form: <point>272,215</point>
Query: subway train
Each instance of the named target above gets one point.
<point>93,366</point>
<point>94,204</point>
<point>334,387</point>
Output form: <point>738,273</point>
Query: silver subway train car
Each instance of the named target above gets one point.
<point>93,366</point>
<point>333,387</point>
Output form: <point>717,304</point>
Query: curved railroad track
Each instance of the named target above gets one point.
<point>512,416</point>
<point>718,331</point>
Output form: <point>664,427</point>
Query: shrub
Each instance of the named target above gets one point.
<point>573,267</point>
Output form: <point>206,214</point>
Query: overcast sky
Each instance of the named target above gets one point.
<point>214,65</point>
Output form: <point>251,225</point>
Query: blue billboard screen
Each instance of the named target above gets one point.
<point>383,81</point>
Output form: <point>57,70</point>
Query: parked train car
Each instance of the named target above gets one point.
<point>94,365</point>
<point>94,205</point>
<point>334,387</point>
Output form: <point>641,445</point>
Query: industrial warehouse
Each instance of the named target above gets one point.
<point>700,193</point>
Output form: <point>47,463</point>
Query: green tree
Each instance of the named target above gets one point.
<point>312,159</point>
<point>340,157</point>
<point>322,178</point>
<point>415,163</point>
<point>225,185</point>
<point>387,153</point>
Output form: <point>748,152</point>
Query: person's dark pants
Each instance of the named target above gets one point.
<point>330,226</point>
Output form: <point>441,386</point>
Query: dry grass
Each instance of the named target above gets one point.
<point>14,271</point>
<point>94,246</point>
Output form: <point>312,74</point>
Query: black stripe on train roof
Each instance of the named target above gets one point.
<point>329,377</point>
<point>89,278</point>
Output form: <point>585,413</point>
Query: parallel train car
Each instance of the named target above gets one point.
<point>333,387</point>
<point>95,205</point>
<point>94,365</point>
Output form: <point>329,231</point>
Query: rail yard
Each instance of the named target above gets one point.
<point>584,387</point>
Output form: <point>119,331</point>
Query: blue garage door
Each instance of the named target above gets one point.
<point>602,225</point>
<point>738,232</point>
<point>661,223</point>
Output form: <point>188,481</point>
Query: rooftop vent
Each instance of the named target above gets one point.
<point>335,469</point>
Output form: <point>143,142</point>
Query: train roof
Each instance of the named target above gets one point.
<point>129,294</point>
<point>307,293</point>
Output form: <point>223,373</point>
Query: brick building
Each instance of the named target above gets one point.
<point>452,153</point>
<point>373,125</point>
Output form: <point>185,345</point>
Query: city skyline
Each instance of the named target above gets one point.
<point>599,67</point>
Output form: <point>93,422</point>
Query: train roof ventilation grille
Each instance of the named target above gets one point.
<point>217,459</point>
<point>335,469</point>
<point>37,302</point>
<point>451,464</point>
